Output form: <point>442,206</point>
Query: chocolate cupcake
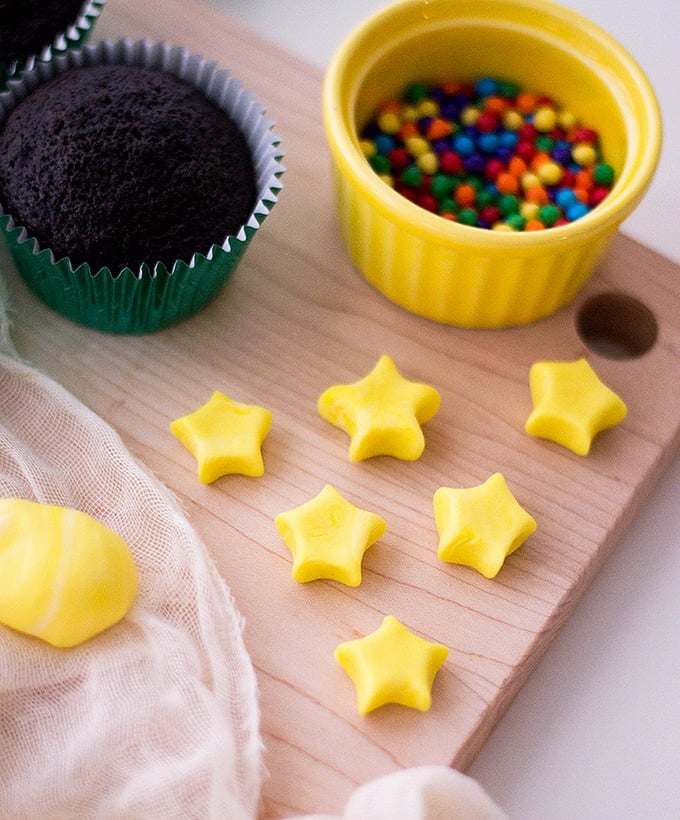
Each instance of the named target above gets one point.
<point>132,177</point>
<point>30,28</point>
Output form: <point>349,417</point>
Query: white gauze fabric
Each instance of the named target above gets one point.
<point>157,717</point>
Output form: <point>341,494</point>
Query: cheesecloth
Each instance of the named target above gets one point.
<point>157,717</point>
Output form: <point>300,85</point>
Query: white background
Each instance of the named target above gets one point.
<point>595,733</point>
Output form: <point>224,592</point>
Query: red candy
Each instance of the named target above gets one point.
<point>526,151</point>
<point>486,122</point>
<point>490,214</point>
<point>450,163</point>
<point>494,167</point>
<point>527,133</point>
<point>597,195</point>
<point>584,135</point>
<point>406,192</point>
<point>400,158</point>
<point>429,202</point>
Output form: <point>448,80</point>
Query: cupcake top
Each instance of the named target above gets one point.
<point>27,26</point>
<point>120,165</point>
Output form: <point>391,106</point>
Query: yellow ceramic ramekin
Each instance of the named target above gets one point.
<point>450,272</point>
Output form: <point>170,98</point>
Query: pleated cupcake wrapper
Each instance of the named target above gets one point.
<point>152,297</point>
<point>76,35</point>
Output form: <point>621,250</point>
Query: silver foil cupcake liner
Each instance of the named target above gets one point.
<point>152,297</point>
<point>74,36</point>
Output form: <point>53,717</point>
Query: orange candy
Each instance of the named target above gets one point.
<point>495,105</point>
<point>391,107</point>
<point>537,194</point>
<point>450,88</point>
<point>525,102</point>
<point>539,159</point>
<point>517,166</point>
<point>584,179</point>
<point>507,183</point>
<point>439,129</point>
<point>465,195</point>
<point>408,129</point>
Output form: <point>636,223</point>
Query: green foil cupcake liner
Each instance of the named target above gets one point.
<point>75,36</point>
<point>152,297</point>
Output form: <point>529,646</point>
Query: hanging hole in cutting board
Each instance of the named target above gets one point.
<point>617,326</point>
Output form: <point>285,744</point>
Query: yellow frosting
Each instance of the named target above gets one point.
<point>570,404</point>
<point>64,576</point>
<point>328,537</point>
<point>480,526</point>
<point>391,665</point>
<point>382,412</point>
<point>225,437</point>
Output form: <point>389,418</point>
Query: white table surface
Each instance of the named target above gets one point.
<point>595,733</point>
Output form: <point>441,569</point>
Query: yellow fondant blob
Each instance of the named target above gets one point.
<point>392,665</point>
<point>64,576</point>
<point>571,405</point>
<point>480,526</point>
<point>225,437</point>
<point>328,537</point>
<point>382,413</point>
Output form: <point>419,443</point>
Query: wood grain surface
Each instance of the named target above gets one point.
<point>295,319</point>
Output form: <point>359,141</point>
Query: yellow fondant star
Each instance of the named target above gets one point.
<point>480,526</point>
<point>328,537</point>
<point>382,412</point>
<point>571,404</point>
<point>391,665</point>
<point>225,437</point>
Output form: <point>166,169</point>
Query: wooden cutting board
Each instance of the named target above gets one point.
<point>297,318</point>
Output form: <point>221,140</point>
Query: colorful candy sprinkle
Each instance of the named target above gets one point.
<point>489,155</point>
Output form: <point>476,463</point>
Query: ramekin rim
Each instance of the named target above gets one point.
<point>615,208</point>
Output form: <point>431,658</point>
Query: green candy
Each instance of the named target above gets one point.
<point>468,216</point>
<point>603,174</point>
<point>544,143</point>
<point>380,164</point>
<point>448,205</point>
<point>442,185</point>
<point>508,204</point>
<point>549,214</point>
<point>415,92</point>
<point>412,177</point>
<point>516,222</point>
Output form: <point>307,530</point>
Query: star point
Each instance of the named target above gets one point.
<point>391,665</point>
<point>480,526</point>
<point>328,536</point>
<point>225,437</point>
<point>571,405</point>
<point>382,412</point>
